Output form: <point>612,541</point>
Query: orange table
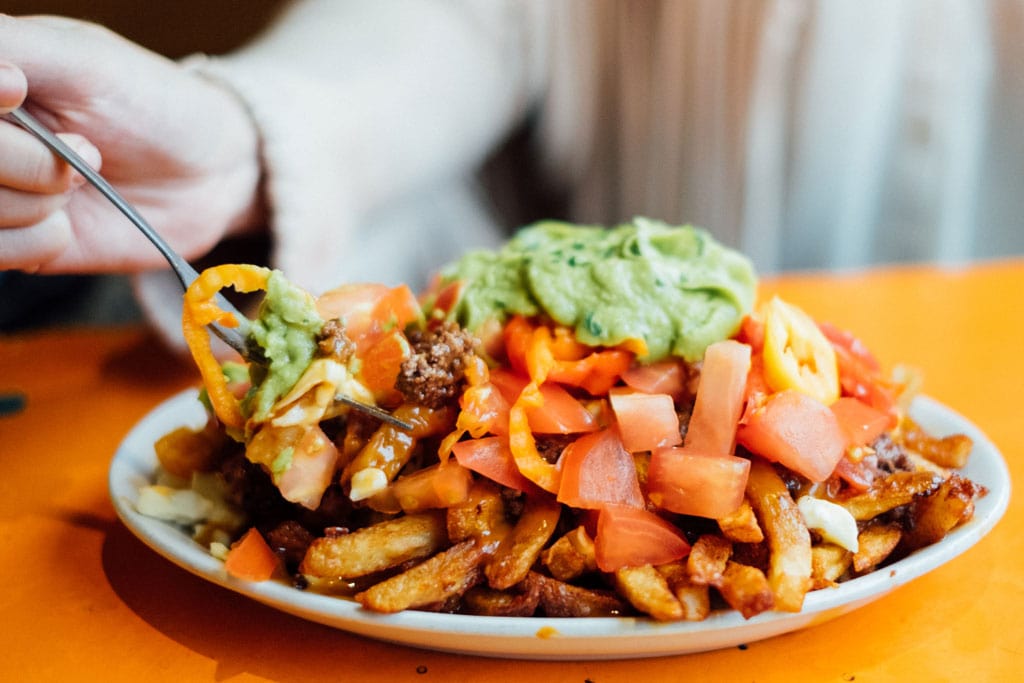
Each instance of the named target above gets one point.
<point>83,599</point>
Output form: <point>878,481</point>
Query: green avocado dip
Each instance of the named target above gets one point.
<point>286,329</point>
<point>674,288</point>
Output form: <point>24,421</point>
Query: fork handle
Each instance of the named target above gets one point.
<point>233,337</point>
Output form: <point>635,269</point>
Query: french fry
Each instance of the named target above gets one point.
<point>747,590</point>
<point>570,556</point>
<point>707,559</point>
<point>891,492</point>
<point>829,562</point>
<point>741,526</point>
<point>375,548</point>
<point>647,590</point>
<point>934,516</point>
<point>521,547</point>
<point>437,579</point>
<point>561,599</point>
<point>875,543</point>
<point>390,447</point>
<point>950,451</point>
<point>789,569</point>
<point>485,601</point>
<point>694,598</point>
<point>480,516</point>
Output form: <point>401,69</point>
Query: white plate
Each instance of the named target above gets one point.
<point>545,638</point>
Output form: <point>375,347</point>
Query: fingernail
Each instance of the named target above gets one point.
<point>12,87</point>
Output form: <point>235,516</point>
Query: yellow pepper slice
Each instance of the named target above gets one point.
<point>796,353</point>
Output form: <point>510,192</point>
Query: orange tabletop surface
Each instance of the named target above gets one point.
<point>83,599</point>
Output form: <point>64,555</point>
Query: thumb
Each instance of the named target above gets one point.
<point>13,87</point>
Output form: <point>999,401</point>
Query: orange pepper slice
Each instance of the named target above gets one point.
<point>201,309</point>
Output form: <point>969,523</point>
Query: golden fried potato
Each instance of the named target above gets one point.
<point>789,542</point>
<point>185,450</point>
<point>647,590</point>
<point>875,543</point>
<point>521,547</point>
<point>950,451</point>
<point>747,590</point>
<point>561,599</point>
<point>894,490</point>
<point>828,564</point>
<point>707,559</point>
<point>741,526</point>
<point>435,580</point>
<point>694,598</point>
<point>935,516</point>
<point>520,601</point>
<point>570,556</point>
<point>480,516</point>
<point>377,547</point>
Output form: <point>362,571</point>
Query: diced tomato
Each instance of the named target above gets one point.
<point>796,430</point>
<point>752,332</point>
<point>633,537</point>
<point>856,474</point>
<point>860,373</point>
<point>720,399</point>
<point>310,469</point>
<point>645,421</point>
<point>710,486</point>
<point>666,376</point>
<point>861,423</point>
<point>353,304</point>
<point>369,311</point>
<point>492,458</point>
<point>445,297</point>
<point>845,340</point>
<point>597,471</point>
<point>438,486</point>
<point>382,362</point>
<point>250,558</point>
<point>397,308</point>
<point>560,413</point>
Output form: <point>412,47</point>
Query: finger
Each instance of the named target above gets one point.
<point>18,209</point>
<point>13,87</point>
<point>33,247</point>
<point>28,165</point>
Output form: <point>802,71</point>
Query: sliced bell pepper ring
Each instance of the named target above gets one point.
<point>522,444</point>
<point>201,309</point>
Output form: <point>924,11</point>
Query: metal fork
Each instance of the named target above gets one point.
<point>237,337</point>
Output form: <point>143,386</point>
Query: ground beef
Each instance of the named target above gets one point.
<point>435,372</point>
<point>289,539</point>
<point>333,343</point>
<point>890,456</point>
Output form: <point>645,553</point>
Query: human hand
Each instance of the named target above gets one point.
<point>179,147</point>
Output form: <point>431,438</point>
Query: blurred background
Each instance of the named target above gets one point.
<point>174,29</point>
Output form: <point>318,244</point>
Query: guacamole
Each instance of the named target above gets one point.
<point>286,330</point>
<point>675,289</point>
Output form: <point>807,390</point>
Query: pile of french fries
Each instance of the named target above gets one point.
<point>482,557</point>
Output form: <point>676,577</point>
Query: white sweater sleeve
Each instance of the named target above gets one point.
<point>373,118</point>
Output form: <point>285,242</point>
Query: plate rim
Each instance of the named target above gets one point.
<point>134,464</point>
